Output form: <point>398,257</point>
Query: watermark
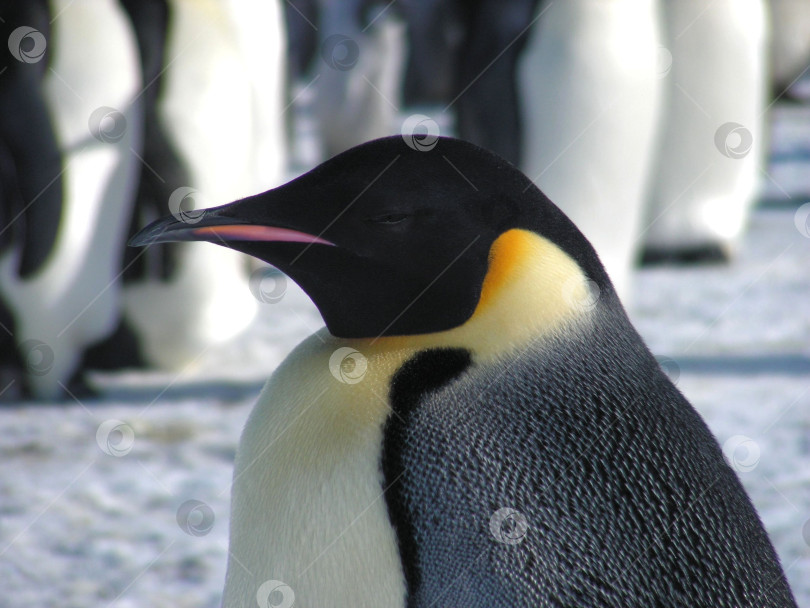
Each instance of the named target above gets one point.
<point>183,206</point>
<point>733,140</point>
<point>27,44</point>
<point>663,61</point>
<point>348,365</point>
<point>107,125</point>
<point>115,438</point>
<point>268,285</point>
<point>581,295</point>
<point>38,357</point>
<point>670,368</point>
<point>195,518</point>
<point>275,594</point>
<point>802,220</point>
<point>509,526</point>
<point>340,52</point>
<point>420,132</point>
<point>741,453</point>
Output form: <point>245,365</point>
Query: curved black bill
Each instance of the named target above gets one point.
<point>209,225</point>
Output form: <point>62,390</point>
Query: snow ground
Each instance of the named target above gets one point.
<point>81,526</point>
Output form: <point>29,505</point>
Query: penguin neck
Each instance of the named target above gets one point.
<point>532,291</point>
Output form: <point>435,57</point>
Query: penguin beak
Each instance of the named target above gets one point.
<point>217,226</point>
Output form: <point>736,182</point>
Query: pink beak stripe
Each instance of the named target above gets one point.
<point>241,232</point>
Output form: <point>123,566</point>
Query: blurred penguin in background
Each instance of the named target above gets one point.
<point>30,195</point>
<point>216,99</point>
<point>66,212</point>
<point>790,95</point>
<point>359,72</point>
<point>462,60</point>
<point>485,95</point>
<point>145,107</point>
<point>706,174</point>
<point>665,121</point>
<point>790,45</point>
<point>591,99</point>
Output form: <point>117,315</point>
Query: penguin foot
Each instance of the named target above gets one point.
<point>713,253</point>
<point>78,387</point>
<point>12,384</point>
<point>120,350</point>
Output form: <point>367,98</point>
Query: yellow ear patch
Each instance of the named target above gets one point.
<point>511,250</point>
<point>532,288</point>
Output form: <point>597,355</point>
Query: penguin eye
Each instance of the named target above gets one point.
<point>388,218</point>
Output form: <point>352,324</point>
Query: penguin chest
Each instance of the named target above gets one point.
<point>309,520</point>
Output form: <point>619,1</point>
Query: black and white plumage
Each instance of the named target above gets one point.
<point>115,112</point>
<point>76,217</point>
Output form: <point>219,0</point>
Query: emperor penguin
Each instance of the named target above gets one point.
<point>358,72</point>
<point>218,111</point>
<point>478,424</point>
<point>69,298</point>
<point>707,168</point>
<point>590,96</point>
<point>789,43</point>
<point>30,167</point>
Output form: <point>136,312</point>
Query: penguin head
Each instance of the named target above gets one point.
<point>386,238</point>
